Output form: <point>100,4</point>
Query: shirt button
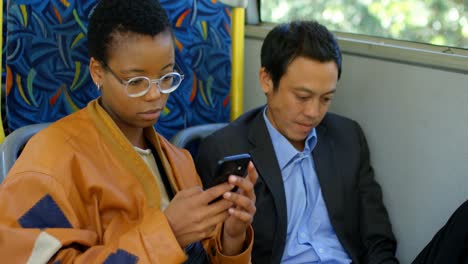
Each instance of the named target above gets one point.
<point>321,250</point>
<point>303,235</point>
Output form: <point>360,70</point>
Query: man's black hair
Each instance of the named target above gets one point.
<point>288,41</point>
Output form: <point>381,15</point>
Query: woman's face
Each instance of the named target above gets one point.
<point>132,55</point>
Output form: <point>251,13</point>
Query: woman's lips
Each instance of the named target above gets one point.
<point>151,114</point>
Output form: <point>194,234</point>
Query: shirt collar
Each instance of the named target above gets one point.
<point>284,150</point>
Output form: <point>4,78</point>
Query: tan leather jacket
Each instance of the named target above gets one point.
<point>80,193</point>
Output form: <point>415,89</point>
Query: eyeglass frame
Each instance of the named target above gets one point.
<point>150,81</point>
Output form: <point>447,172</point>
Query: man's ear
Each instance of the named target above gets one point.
<point>265,81</point>
<point>96,71</point>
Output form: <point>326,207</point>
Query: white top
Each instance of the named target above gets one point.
<point>148,157</point>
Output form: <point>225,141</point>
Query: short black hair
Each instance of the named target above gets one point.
<point>287,41</point>
<point>109,17</point>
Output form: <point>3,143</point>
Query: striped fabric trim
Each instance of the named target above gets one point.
<point>44,249</point>
<point>121,257</point>
<point>44,214</point>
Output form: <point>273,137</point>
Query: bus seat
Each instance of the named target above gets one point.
<point>47,73</point>
<point>13,144</point>
<point>47,62</point>
<point>195,133</point>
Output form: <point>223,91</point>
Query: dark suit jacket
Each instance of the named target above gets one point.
<point>341,156</point>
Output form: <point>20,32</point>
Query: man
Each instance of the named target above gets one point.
<point>317,199</point>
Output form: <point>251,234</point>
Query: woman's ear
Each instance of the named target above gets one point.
<point>96,71</point>
<point>265,81</point>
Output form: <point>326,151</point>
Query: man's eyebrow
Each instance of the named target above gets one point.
<point>330,92</point>
<point>303,89</point>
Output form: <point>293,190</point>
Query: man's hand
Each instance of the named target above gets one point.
<point>190,216</point>
<point>241,213</point>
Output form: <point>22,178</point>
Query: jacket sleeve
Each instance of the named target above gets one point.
<point>39,222</point>
<point>214,248</point>
<point>376,230</point>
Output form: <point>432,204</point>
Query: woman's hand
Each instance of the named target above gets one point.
<point>241,213</point>
<point>192,218</point>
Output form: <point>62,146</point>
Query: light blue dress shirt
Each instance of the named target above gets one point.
<point>310,237</point>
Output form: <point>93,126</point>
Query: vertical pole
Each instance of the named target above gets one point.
<point>237,90</point>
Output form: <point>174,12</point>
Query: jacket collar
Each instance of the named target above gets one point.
<point>328,172</point>
<point>123,150</point>
<point>263,156</point>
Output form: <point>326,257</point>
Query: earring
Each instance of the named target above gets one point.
<point>98,86</point>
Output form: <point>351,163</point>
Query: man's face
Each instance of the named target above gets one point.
<point>302,97</point>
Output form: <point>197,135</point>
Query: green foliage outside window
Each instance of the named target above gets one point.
<point>438,22</point>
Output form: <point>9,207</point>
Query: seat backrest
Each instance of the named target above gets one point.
<point>196,133</point>
<point>47,74</point>
<point>13,144</point>
<point>203,52</point>
<point>47,62</point>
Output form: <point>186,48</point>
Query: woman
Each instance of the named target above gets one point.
<point>101,185</point>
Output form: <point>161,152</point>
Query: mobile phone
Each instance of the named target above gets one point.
<point>230,165</point>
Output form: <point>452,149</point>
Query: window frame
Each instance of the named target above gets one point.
<point>413,53</point>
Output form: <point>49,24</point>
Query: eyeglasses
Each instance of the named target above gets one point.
<point>139,86</point>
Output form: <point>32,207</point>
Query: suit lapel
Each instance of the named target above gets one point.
<point>264,158</point>
<point>331,182</point>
